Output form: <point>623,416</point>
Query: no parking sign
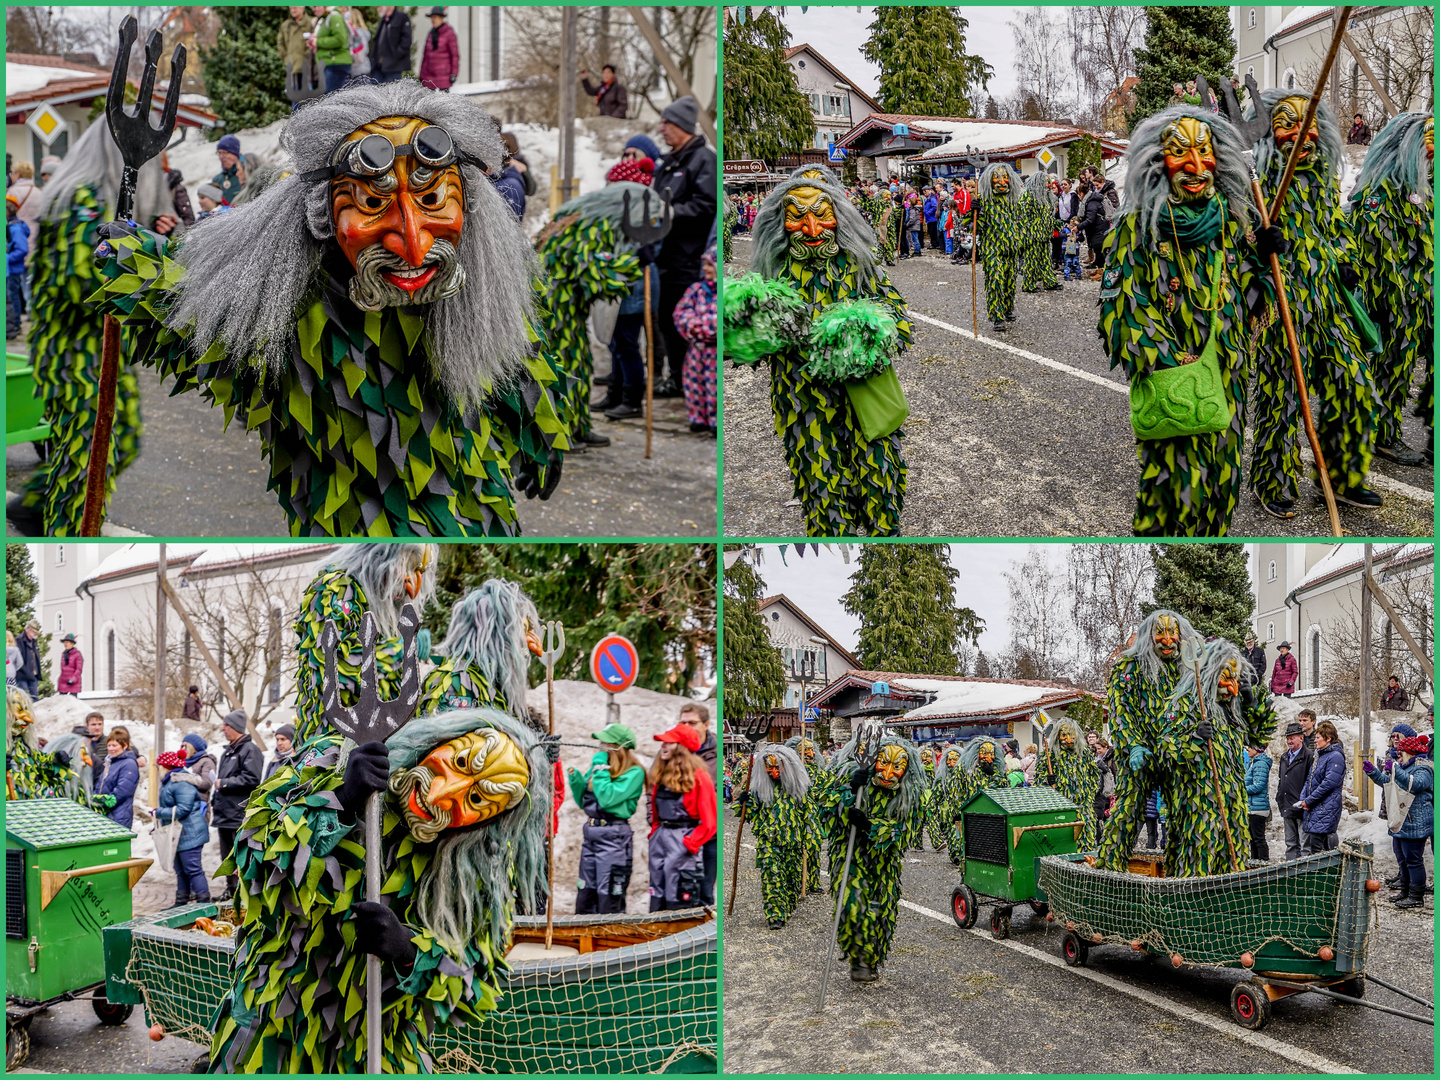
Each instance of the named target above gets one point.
<point>614,664</point>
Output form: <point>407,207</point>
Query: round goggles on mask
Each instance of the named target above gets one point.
<point>375,155</point>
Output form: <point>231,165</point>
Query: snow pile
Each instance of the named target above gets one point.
<point>24,78</point>
<point>986,137</point>
<point>967,698</point>
<point>596,150</point>
<point>196,160</point>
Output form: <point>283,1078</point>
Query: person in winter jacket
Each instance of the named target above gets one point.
<point>1395,696</point>
<point>119,776</point>
<point>695,316</point>
<point>441,62</point>
<point>234,169</point>
<point>1410,806</point>
<point>1321,796</point>
<point>284,749</point>
<point>625,389</point>
<point>202,765</point>
<point>931,208</point>
<point>241,764</point>
<point>359,44</point>
<point>1257,790</point>
<point>72,666</point>
<point>180,801</point>
<point>609,793</point>
<point>610,97</point>
<point>1295,764</point>
<point>1254,654</point>
<point>28,677</point>
<point>191,709</point>
<point>390,45</point>
<point>175,181</point>
<point>93,732</point>
<point>292,39</point>
<point>682,818</point>
<point>1286,673</point>
<point>17,248</point>
<point>331,42</point>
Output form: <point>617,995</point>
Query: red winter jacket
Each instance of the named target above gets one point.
<point>699,801</point>
<point>71,665</point>
<point>1285,675</point>
<point>441,62</point>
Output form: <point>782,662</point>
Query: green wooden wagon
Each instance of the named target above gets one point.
<point>641,995</point>
<point>1006,831</point>
<point>1295,926</point>
<point>24,412</point>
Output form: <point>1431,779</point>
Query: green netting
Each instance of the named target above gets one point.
<point>55,823</point>
<point>1281,914</point>
<point>642,1008</point>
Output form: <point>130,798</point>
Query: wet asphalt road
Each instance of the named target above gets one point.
<point>956,1002</point>
<point>193,478</point>
<point>1003,445</point>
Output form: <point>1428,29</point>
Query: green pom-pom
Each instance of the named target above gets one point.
<point>763,317</point>
<point>853,339</point>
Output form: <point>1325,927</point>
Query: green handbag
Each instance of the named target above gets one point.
<point>879,403</point>
<point>1364,325</point>
<point>1190,399</point>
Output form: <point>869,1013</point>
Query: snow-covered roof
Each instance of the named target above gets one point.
<point>228,554</point>
<point>493,86</point>
<point>1347,558</point>
<point>194,558</point>
<point>1298,16</point>
<point>133,557</point>
<point>966,698</point>
<point>986,137</point>
<point>955,697</point>
<point>24,78</point>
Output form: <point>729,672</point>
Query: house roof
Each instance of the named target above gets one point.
<point>1299,18</point>
<point>197,559</point>
<point>839,75</point>
<point>958,697</point>
<point>31,80</point>
<point>811,623</point>
<point>1000,138</point>
<point>1344,559</point>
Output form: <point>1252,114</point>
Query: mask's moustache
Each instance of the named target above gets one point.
<point>369,291</point>
<point>799,249</point>
<point>418,780</point>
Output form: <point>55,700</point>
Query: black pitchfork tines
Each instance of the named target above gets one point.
<point>137,139</point>
<point>650,229</point>
<point>1256,127</point>
<point>372,719</point>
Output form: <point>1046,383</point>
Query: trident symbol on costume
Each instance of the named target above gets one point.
<point>552,643</point>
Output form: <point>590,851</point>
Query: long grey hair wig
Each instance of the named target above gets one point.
<point>1147,184</point>
<point>827,174</point>
<point>1268,152</point>
<point>983,190</point>
<point>248,272</point>
<point>1142,651</point>
<point>1213,658</point>
<point>1398,155</point>
<point>772,242</point>
<point>487,628</point>
<point>1038,185</point>
<point>794,780</point>
<point>480,873</point>
<point>971,758</point>
<point>942,767</point>
<point>381,570</point>
<point>1052,735</point>
<point>95,161</point>
<point>82,777</point>
<point>913,785</point>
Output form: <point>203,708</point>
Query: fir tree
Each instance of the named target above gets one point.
<point>1082,152</point>
<point>904,595</point>
<point>244,75</point>
<point>754,673</point>
<point>924,68</point>
<point>1180,44</point>
<point>660,596</point>
<point>1207,583</point>
<point>982,666</point>
<point>20,590</point>
<point>765,113</point>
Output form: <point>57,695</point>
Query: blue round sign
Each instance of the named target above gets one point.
<point>614,664</point>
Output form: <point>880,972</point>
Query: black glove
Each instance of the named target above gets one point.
<point>1247,698</point>
<point>527,480</point>
<point>551,743</point>
<point>1205,730</point>
<point>62,759</point>
<point>1269,242</point>
<point>743,800</point>
<point>367,772</point>
<point>379,931</point>
<point>858,818</point>
<point>1348,277</point>
<point>860,777</point>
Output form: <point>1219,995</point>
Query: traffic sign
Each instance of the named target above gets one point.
<point>47,124</point>
<point>1046,157</point>
<point>837,153</point>
<point>614,664</point>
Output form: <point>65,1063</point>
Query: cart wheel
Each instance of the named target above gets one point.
<point>1000,922</point>
<point>962,906</point>
<point>17,1047</point>
<point>1040,907</point>
<point>1249,1006</point>
<point>1075,951</point>
<point>1354,988</point>
<point>109,1013</point>
<point>201,1064</point>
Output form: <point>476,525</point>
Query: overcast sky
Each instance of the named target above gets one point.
<point>838,33</point>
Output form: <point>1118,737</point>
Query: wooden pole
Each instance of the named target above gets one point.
<point>649,368</point>
<point>1391,111</point>
<point>735,862</point>
<point>569,53</point>
<point>1365,617</point>
<point>672,69</point>
<point>1310,110</point>
<point>159,746</point>
<point>1427,665</point>
<point>99,465</point>
<point>974,247</point>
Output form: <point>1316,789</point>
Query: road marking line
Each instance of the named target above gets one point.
<point>1225,1027</point>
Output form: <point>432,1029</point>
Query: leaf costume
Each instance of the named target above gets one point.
<point>814,814</point>
<point>778,815</point>
<point>1001,230</point>
<point>1073,773</point>
<point>1038,215</point>
<point>32,773</point>
<point>875,209</point>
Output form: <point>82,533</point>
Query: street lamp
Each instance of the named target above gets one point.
<point>807,673</point>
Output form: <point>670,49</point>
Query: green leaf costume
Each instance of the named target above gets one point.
<point>66,335</point>
<point>1073,773</point>
<point>458,684</point>
<point>875,210</point>
<point>1040,223</point>
<point>1001,230</point>
<point>814,815</point>
<point>777,812</point>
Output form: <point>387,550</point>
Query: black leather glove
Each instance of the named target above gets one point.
<point>367,772</point>
<point>859,778</point>
<point>1348,277</point>
<point>62,759</point>
<point>552,748</point>
<point>743,800</point>
<point>858,818</point>
<point>1205,730</point>
<point>1248,698</point>
<point>379,932</point>
<point>527,480</point>
<point>1270,242</point>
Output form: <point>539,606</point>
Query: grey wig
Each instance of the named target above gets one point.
<point>82,776</point>
<point>1038,185</point>
<point>1143,650</point>
<point>609,203</point>
<point>942,767</point>
<point>260,180</point>
<point>1328,149</point>
<point>1398,155</point>
<point>794,780</point>
<point>772,242</point>
<point>247,273</point>
<point>95,161</point>
<point>381,570</point>
<point>971,758</point>
<point>1052,735</point>
<point>983,190</point>
<point>480,872</point>
<point>911,793</point>
<point>827,174</point>
<point>1147,184</point>
<point>1213,658</point>
<point>487,628</point>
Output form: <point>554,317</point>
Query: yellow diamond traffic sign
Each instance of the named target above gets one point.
<point>1045,157</point>
<point>47,123</point>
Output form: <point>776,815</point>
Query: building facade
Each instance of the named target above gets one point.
<point>836,102</point>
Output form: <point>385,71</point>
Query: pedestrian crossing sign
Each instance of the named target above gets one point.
<point>47,124</point>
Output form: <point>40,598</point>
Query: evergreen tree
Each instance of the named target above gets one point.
<point>754,673</point>
<point>1207,583</point>
<point>20,590</point>
<point>904,595</point>
<point>982,666</point>
<point>244,75</point>
<point>924,68</point>
<point>992,108</point>
<point>660,596</point>
<point>765,113</point>
<point>1082,152</point>
<point>1180,44</point>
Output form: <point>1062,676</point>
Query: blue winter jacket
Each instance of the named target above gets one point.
<point>1418,778</point>
<point>1322,791</point>
<point>1257,784</point>
<point>932,205</point>
<point>17,246</point>
<point>121,776</point>
<point>179,801</point>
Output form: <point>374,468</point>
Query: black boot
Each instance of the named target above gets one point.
<point>1000,326</point>
<point>667,388</point>
<point>614,394</point>
<point>1393,881</point>
<point>594,438</point>
<point>1399,453</point>
<point>1414,897</point>
<point>630,407</point>
<point>24,520</point>
<point>776,924</point>
<point>862,973</point>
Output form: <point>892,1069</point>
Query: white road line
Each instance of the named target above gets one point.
<point>1225,1027</point>
<point>1379,480</point>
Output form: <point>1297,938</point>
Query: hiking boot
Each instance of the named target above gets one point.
<point>1362,497</point>
<point>600,380</point>
<point>862,973</point>
<point>1393,881</point>
<point>625,412</point>
<point>594,438</point>
<point>613,396</point>
<point>1010,317</point>
<point>1396,897</point>
<point>1401,454</point>
<point>1414,897</point>
<point>698,428</point>
<point>1283,509</point>
<point>776,924</point>
<point>1052,288</point>
<point>1000,327</point>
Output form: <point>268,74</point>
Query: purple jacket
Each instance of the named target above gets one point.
<point>1285,675</point>
<point>441,62</point>
<point>71,665</point>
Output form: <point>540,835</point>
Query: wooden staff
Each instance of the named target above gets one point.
<point>974,246</point>
<point>735,863</point>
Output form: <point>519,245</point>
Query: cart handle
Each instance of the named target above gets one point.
<point>52,881</point>
<point>1020,830</point>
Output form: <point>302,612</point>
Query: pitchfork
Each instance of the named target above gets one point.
<point>138,142</point>
<point>648,231</point>
<point>372,720</point>
<point>553,647</point>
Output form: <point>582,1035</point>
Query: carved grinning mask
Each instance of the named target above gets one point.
<point>466,781</point>
<point>985,758</point>
<point>416,578</point>
<point>1189,160</point>
<point>1000,182</point>
<point>772,766</point>
<point>1167,638</point>
<point>927,756</point>
<point>807,750</point>
<point>1285,120</point>
<point>399,206</point>
<point>1067,738</point>
<point>1228,684</point>
<point>952,759</point>
<point>810,221</point>
<point>890,766</point>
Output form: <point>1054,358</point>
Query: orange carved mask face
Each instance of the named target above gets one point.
<point>810,221</point>
<point>1229,681</point>
<point>772,766</point>
<point>1000,182</point>
<point>890,766</point>
<point>1285,121</point>
<point>1430,138</point>
<point>1189,160</point>
<point>466,781</point>
<point>1167,638</point>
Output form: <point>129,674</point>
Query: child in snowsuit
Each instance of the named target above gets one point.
<point>695,319</point>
